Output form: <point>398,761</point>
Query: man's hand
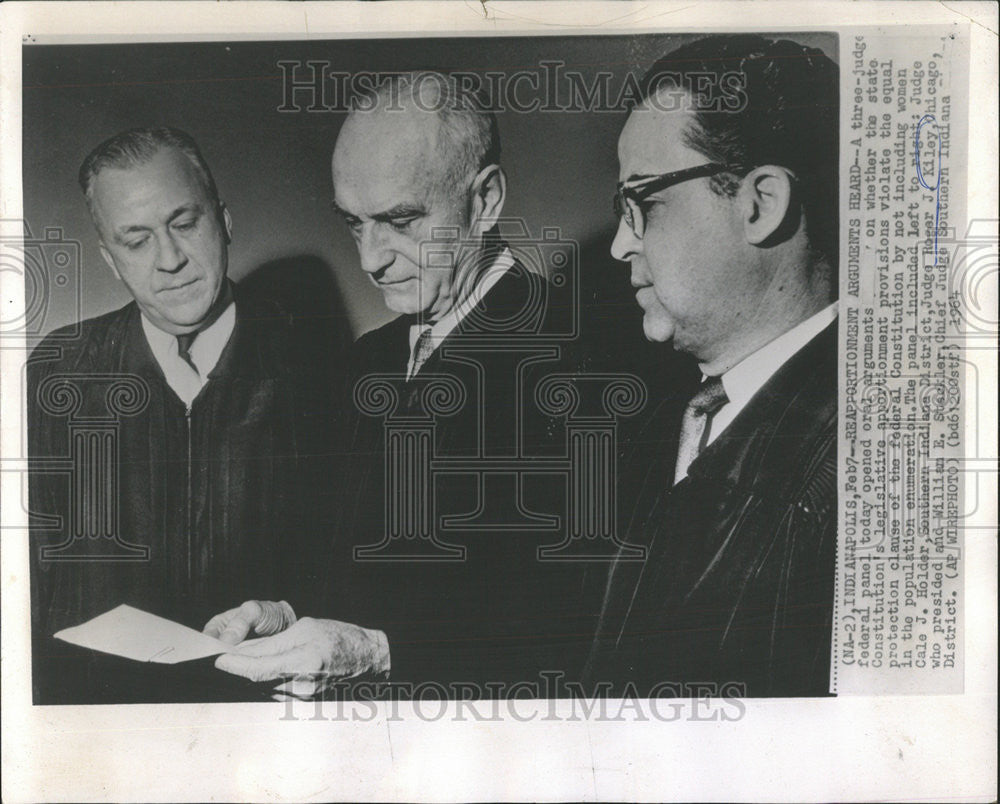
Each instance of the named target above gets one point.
<point>318,651</point>
<point>262,617</point>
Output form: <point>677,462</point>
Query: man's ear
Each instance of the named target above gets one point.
<point>770,209</point>
<point>109,259</point>
<point>227,222</point>
<point>489,191</point>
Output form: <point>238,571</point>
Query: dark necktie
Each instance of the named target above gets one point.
<point>422,350</point>
<point>694,426</point>
<point>184,343</point>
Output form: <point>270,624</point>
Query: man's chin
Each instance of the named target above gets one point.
<point>657,328</point>
<point>401,306</point>
<point>181,319</point>
<point>400,302</point>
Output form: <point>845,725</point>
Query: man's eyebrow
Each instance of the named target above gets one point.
<point>125,230</point>
<point>398,211</point>
<point>184,209</point>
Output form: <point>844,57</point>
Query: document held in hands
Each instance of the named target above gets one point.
<point>135,634</point>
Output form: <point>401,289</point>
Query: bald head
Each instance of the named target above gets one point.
<point>405,148</point>
<point>413,160</point>
<point>467,136</point>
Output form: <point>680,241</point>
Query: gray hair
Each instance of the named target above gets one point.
<point>469,126</point>
<point>138,146</point>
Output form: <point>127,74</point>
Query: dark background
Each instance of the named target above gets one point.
<point>272,168</point>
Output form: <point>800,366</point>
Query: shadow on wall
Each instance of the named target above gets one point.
<point>303,285</point>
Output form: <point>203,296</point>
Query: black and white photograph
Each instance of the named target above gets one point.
<point>459,495</point>
<point>583,381</point>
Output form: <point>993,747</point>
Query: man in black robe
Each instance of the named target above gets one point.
<point>728,219</point>
<point>417,180</point>
<point>192,418</point>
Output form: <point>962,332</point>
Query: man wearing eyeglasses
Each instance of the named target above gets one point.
<point>728,220</point>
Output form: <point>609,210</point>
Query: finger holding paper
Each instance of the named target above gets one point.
<point>260,617</point>
<point>327,648</point>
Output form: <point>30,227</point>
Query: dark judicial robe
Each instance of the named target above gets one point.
<point>214,504</point>
<point>498,614</point>
<point>738,581</point>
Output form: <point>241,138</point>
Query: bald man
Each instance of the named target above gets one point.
<point>417,180</point>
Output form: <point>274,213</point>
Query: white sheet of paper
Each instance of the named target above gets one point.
<point>136,634</point>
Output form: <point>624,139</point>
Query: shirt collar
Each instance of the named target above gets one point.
<point>748,376</point>
<point>443,327</point>
<point>207,347</point>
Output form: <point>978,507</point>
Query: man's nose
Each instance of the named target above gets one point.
<point>374,251</point>
<point>625,245</point>
<point>171,258</point>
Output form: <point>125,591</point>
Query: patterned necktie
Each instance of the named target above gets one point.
<point>694,427</point>
<point>422,350</point>
<point>184,343</point>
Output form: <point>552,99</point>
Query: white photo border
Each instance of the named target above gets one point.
<point>857,748</point>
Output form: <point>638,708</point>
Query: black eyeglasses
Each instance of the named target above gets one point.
<point>630,195</point>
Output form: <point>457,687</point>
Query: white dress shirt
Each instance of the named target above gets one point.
<point>205,353</point>
<point>444,325</point>
<point>748,376</point>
